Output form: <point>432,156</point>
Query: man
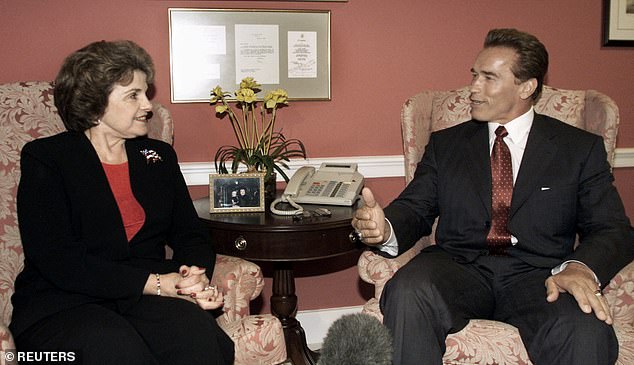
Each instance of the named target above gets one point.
<point>246,198</point>
<point>508,210</point>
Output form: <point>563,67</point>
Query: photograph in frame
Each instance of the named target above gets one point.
<point>230,193</point>
<point>618,23</point>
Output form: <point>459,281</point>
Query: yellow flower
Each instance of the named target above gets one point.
<point>259,146</point>
<point>275,97</point>
<point>249,83</point>
<point>246,96</point>
<point>217,94</point>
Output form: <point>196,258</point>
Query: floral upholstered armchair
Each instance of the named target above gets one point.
<point>27,112</point>
<point>485,341</point>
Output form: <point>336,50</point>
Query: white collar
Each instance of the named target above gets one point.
<point>517,128</point>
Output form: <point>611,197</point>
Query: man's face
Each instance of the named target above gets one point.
<point>496,95</point>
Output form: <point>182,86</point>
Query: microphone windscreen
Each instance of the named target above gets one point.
<point>356,339</point>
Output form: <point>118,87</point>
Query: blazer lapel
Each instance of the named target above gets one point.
<point>477,153</point>
<point>94,179</point>
<point>140,180</point>
<point>538,155</point>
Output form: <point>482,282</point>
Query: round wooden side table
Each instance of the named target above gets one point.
<point>282,240</point>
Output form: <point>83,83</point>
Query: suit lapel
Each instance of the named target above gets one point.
<point>538,155</point>
<point>477,153</point>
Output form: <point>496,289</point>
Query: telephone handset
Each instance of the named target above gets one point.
<point>332,184</point>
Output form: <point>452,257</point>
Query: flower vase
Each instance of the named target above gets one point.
<point>270,188</point>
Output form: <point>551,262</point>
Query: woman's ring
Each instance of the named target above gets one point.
<point>209,287</point>
<point>360,235</point>
<point>598,293</point>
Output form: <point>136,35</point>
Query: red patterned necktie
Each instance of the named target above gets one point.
<point>499,237</point>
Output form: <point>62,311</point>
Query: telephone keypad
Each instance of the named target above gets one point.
<point>333,189</point>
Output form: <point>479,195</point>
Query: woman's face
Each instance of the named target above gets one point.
<point>127,110</point>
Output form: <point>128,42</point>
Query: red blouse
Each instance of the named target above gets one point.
<point>132,213</point>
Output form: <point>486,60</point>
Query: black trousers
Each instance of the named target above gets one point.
<point>158,330</point>
<point>434,295</point>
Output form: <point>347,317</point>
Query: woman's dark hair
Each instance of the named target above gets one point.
<point>532,57</point>
<point>88,76</point>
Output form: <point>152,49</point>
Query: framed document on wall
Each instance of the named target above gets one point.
<point>287,49</point>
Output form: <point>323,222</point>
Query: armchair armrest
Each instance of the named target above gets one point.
<point>6,341</point>
<point>377,270</point>
<point>241,281</point>
<point>620,296</point>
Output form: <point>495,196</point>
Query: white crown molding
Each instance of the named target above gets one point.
<point>197,173</point>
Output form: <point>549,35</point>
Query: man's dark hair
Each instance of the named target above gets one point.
<point>532,57</point>
<point>88,76</point>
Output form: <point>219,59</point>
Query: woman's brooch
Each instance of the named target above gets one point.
<point>151,156</point>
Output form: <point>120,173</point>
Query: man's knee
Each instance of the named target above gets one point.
<point>407,284</point>
<point>587,332</point>
<point>578,338</point>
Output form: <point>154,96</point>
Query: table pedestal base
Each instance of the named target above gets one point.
<point>284,307</point>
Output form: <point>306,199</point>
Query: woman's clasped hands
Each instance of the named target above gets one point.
<point>191,283</point>
<point>195,285</point>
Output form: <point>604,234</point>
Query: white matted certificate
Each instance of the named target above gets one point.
<point>195,47</point>
<point>258,52</point>
<point>302,55</point>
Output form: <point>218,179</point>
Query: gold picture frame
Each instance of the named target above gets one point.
<point>229,193</point>
<point>288,49</point>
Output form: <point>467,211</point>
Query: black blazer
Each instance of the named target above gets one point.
<point>74,241</point>
<point>564,187</point>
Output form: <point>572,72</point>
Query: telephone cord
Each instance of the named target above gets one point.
<point>298,208</point>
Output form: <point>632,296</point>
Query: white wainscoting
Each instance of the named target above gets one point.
<point>624,157</point>
<point>197,173</point>
<point>316,322</point>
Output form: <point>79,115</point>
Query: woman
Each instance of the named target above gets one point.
<point>96,205</point>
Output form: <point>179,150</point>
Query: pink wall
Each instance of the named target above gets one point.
<point>381,54</point>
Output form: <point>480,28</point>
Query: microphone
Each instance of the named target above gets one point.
<point>356,339</point>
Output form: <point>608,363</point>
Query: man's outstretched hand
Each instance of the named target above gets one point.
<point>369,220</point>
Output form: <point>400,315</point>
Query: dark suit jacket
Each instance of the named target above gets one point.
<point>74,241</point>
<point>564,187</point>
